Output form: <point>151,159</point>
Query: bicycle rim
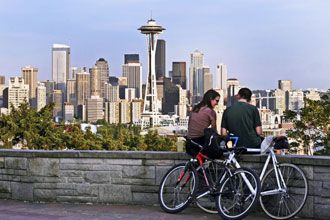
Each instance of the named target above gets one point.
<point>176,188</point>
<point>236,199</point>
<point>286,204</point>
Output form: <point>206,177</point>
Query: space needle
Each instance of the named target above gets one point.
<point>150,111</point>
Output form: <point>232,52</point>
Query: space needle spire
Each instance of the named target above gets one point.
<point>150,111</point>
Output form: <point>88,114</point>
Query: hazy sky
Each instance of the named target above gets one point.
<point>260,41</point>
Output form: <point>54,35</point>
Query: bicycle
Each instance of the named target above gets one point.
<point>284,187</point>
<point>233,192</point>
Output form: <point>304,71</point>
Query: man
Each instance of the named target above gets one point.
<point>243,120</point>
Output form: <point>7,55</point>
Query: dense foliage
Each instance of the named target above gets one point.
<point>311,129</point>
<point>37,130</point>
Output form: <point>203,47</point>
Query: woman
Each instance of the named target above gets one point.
<point>203,116</point>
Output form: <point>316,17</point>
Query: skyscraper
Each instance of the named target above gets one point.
<point>57,98</point>
<point>111,92</point>
<point>233,88</point>
<point>196,62</point>
<point>179,74</point>
<point>285,85</point>
<point>171,96</point>
<point>60,65</point>
<point>103,68</point>
<point>30,75</point>
<point>221,78</point>
<point>94,108</point>
<point>16,93</point>
<point>133,72</point>
<point>41,96</point>
<point>82,87</point>
<point>95,81</point>
<point>160,59</point>
<point>208,79</point>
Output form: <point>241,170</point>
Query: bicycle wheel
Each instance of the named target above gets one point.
<point>213,171</point>
<point>239,193</point>
<point>286,203</point>
<point>177,187</point>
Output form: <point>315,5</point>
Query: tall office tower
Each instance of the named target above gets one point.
<point>2,80</point>
<point>122,83</point>
<point>103,67</point>
<point>60,65</point>
<point>16,93</point>
<point>196,61</point>
<point>111,92</point>
<point>160,59</point>
<point>285,85</point>
<point>221,77</point>
<point>111,114</point>
<point>181,110</point>
<point>68,112</point>
<point>94,108</point>
<point>208,79</point>
<point>179,74</point>
<point>95,81</point>
<point>124,112</point>
<point>133,73</point>
<point>136,110</point>
<point>279,101</point>
<point>71,91</point>
<point>150,112</point>
<point>41,96</point>
<point>232,90</point>
<point>129,94</point>
<point>50,86</point>
<point>131,58</point>
<point>30,75</point>
<point>160,94</point>
<point>171,96</point>
<point>82,91</point>
<point>296,100</point>
<point>57,98</point>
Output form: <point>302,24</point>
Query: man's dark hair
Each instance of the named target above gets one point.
<point>245,93</point>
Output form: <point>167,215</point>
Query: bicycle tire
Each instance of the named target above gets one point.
<point>177,188</point>
<point>295,196</point>
<point>213,170</point>
<point>241,200</point>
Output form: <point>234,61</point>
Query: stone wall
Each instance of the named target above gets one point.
<point>124,177</point>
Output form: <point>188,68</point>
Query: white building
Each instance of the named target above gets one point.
<point>94,108</point>
<point>111,113</point>
<point>60,65</point>
<point>68,112</point>
<point>221,77</point>
<point>41,96</point>
<point>130,94</point>
<point>133,73</point>
<point>296,100</point>
<point>111,92</point>
<point>16,93</point>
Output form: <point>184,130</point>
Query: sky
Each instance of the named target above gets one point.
<point>260,41</point>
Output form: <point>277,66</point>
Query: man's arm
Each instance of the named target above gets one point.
<point>224,132</point>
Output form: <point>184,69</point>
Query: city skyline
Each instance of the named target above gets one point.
<point>260,42</point>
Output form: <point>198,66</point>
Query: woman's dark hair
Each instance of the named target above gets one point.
<point>208,96</point>
<point>245,93</point>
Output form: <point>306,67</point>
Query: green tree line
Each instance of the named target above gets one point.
<point>37,130</point>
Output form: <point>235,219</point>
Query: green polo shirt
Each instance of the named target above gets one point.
<point>241,119</point>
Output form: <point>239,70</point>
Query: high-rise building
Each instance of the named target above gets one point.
<point>196,61</point>
<point>30,75</point>
<point>68,112</point>
<point>60,65</point>
<point>131,58</point>
<point>221,77</point>
<point>133,73</point>
<point>82,87</point>
<point>111,92</point>
<point>208,79</point>
<point>285,85</point>
<point>41,96</point>
<point>296,100</point>
<point>16,93</point>
<point>57,98</point>
<point>111,113</point>
<point>50,86</point>
<point>182,105</point>
<point>129,94</point>
<point>103,68</point>
<point>95,81</point>
<point>171,96</point>
<point>94,108</point>
<point>71,91</point>
<point>124,112</point>
<point>179,74</point>
<point>160,59</point>
<point>232,89</point>
<point>279,101</point>
<point>136,110</point>
<point>2,80</point>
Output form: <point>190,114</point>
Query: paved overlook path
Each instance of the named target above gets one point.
<point>18,210</point>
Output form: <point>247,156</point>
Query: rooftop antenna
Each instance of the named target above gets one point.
<point>150,14</point>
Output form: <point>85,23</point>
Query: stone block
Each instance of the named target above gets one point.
<point>308,171</point>
<point>115,174</point>
<point>159,162</point>
<point>2,162</point>
<point>321,200</point>
<point>7,171</point>
<point>45,195</point>
<point>308,210</point>
<point>5,187</point>
<point>160,173</point>
<point>43,167</point>
<point>145,189</point>
<point>322,176</point>
<point>71,173</point>
<point>97,177</point>
<point>66,192</point>
<point>106,167</point>
<point>81,161</point>
<point>130,181</point>
<point>22,191</point>
<point>145,198</point>
<point>147,172</point>
<point>319,169</point>
<point>120,194</point>
<point>123,161</point>
<point>15,163</point>
<point>39,179</point>
<point>75,180</point>
<point>76,199</point>
<point>87,190</point>
<point>315,188</point>
<point>44,186</point>
<point>5,195</point>
<point>321,211</point>
<point>65,186</point>
<point>82,167</point>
